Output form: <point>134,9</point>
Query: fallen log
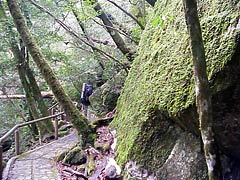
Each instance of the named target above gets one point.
<point>44,94</point>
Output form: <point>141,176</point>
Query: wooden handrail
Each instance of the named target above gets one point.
<point>53,106</point>
<point>1,165</point>
<point>27,123</point>
<point>16,128</point>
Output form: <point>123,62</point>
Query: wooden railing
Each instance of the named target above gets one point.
<point>15,130</point>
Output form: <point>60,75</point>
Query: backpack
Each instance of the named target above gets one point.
<point>87,90</point>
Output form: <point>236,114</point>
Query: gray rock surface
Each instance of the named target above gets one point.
<point>186,160</point>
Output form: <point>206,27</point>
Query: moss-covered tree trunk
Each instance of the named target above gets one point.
<point>38,105</point>
<point>34,98</point>
<point>203,95</point>
<point>128,52</point>
<point>79,121</point>
<point>33,95</point>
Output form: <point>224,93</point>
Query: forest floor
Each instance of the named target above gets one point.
<point>100,162</point>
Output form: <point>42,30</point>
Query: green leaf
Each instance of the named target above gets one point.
<point>157,22</point>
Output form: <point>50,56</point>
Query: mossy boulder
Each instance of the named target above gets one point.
<point>75,156</point>
<point>104,99</point>
<point>159,94</point>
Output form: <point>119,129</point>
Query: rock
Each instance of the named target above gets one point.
<point>48,137</point>
<point>63,133</point>
<point>60,157</point>
<point>6,145</point>
<point>60,123</point>
<point>104,99</point>
<point>111,172</point>
<point>186,160</point>
<point>4,164</point>
<point>112,167</point>
<point>75,156</point>
<point>157,104</point>
<point>65,127</point>
<point>102,146</point>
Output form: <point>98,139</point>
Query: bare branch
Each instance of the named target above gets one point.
<point>129,14</point>
<point>74,34</point>
<point>115,29</point>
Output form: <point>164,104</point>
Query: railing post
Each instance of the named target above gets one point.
<point>1,161</point>
<point>17,145</point>
<point>52,111</point>
<point>56,128</point>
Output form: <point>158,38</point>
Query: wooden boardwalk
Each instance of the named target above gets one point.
<point>39,164</point>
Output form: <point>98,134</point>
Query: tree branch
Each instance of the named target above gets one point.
<point>129,14</point>
<point>76,173</point>
<point>71,31</point>
<point>115,29</point>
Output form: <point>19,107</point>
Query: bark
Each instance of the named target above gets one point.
<point>112,32</point>
<point>78,120</point>
<point>33,95</point>
<point>34,98</point>
<point>203,94</point>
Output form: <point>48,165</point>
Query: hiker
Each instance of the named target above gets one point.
<point>87,90</point>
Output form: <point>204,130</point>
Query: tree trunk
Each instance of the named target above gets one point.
<point>101,63</point>
<point>34,99</point>
<point>203,94</point>
<point>112,32</point>
<point>78,120</point>
<point>33,94</point>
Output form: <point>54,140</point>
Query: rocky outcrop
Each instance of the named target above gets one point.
<point>104,99</point>
<point>157,104</point>
<point>185,160</point>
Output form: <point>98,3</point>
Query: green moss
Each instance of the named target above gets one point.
<point>4,164</point>
<point>75,156</point>
<point>23,155</point>
<point>161,78</point>
<point>63,133</point>
<point>104,99</point>
<point>60,157</point>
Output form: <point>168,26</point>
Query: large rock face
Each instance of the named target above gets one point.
<point>104,99</point>
<point>158,96</point>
